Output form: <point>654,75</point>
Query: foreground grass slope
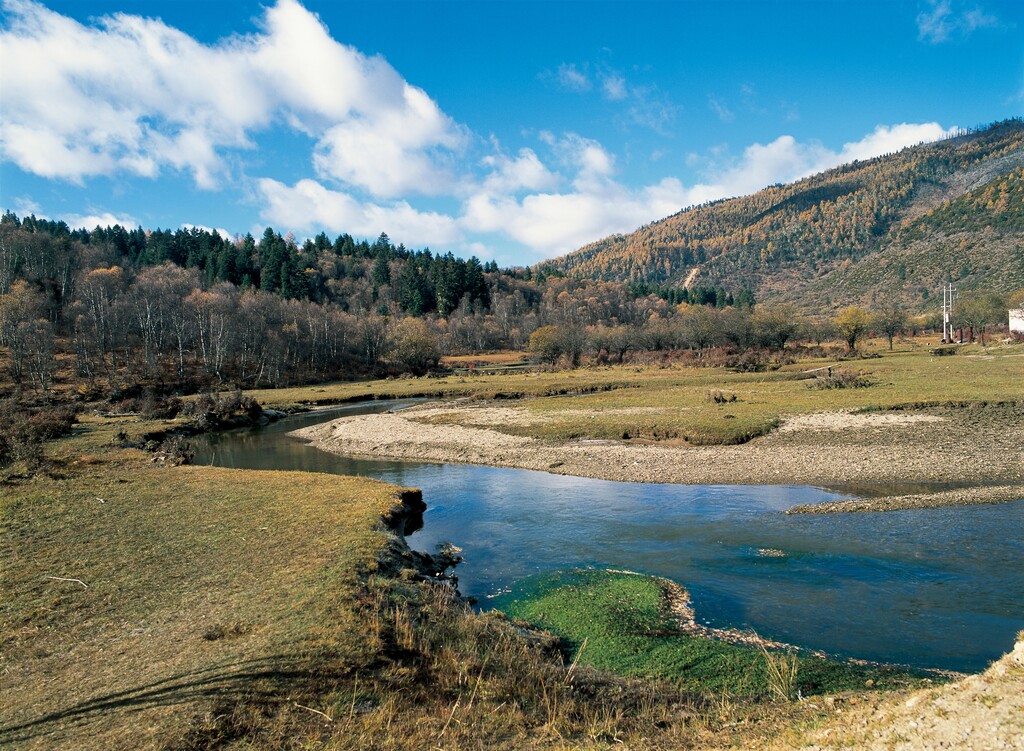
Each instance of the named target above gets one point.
<point>136,590</point>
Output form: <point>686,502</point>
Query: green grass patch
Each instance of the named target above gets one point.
<point>623,623</point>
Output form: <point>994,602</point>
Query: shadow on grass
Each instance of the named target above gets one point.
<point>257,680</point>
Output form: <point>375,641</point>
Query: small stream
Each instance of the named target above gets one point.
<point>940,588</point>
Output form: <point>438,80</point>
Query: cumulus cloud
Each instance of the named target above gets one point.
<point>133,95</point>
<point>102,219</point>
<point>944,20</point>
<point>590,204</point>
<point>594,204</point>
<point>551,223</point>
<point>309,206</point>
<point>785,159</point>
<point>523,172</point>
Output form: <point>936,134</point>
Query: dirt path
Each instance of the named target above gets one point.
<point>956,446</point>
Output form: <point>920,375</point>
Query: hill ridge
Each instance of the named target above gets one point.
<point>788,241</point>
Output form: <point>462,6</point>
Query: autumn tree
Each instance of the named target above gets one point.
<point>699,326</point>
<point>851,323</point>
<point>981,309</point>
<point>20,310</point>
<point>774,325</point>
<point>545,342</point>
<point>414,347</point>
<point>891,320</point>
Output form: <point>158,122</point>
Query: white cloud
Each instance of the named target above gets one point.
<point>591,205</point>
<point>569,77</point>
<point>721,110</point>
<point>944,20</point>
<point>94,220</point>
<point>785,159</point>
<point>552,223</point>
<point>640,105</point>
<point>25,206</point>
<point>133,95</point>
<point>614,86</point>
<point>524,172</point>
<point>310,207</point>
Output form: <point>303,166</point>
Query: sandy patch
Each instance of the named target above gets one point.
<point>484,416</point>
<point>479,415</point>
<point>980,712</point>
<point>850,421</point>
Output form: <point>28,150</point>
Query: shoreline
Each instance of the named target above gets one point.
<point>833,448</point>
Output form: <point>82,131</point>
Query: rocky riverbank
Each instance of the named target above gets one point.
<point>926,446</point>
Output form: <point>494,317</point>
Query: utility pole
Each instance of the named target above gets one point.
<point>949,294</point>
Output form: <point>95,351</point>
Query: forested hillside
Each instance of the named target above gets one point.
<point>900,224</point>
<point>190,308</point>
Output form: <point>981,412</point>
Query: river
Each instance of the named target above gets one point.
<point>938,588</point>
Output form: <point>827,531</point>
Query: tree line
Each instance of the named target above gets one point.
<point>190,309</point>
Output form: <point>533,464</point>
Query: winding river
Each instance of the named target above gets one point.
<point>940,588</point>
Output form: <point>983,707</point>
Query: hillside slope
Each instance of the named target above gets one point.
<point>900,224</point>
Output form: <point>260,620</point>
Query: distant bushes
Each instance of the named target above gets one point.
<point>23,428</point>
<point>841,378</point>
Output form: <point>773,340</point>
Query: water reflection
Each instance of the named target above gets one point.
<point>928,587</point>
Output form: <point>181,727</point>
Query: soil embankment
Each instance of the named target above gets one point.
<point>938,446</point>
<point>983,711</point>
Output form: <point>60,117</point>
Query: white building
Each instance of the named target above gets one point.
<point>1017,321</point>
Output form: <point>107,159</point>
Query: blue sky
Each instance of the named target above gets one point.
<point>515,131</point>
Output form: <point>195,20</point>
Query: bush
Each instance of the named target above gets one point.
<point>757,361</point>
<point>720,397</point>
<point>23,430</point>
<point>943,351</point>
<point>841,379</point>
<point>211,411</point>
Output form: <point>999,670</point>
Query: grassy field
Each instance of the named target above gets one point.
<point>134,589</point>
<point>672,403</point>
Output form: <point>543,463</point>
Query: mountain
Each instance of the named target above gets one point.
<point>893,227</point>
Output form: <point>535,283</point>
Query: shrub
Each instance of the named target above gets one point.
<point>23,430</point>
<point>841,379</point>
<point>720,397</point>
<point>757,361</point>
<point>209,411</point>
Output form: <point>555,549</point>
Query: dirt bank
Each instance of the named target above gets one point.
<point>928,446</point>
<point>983,711</point>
